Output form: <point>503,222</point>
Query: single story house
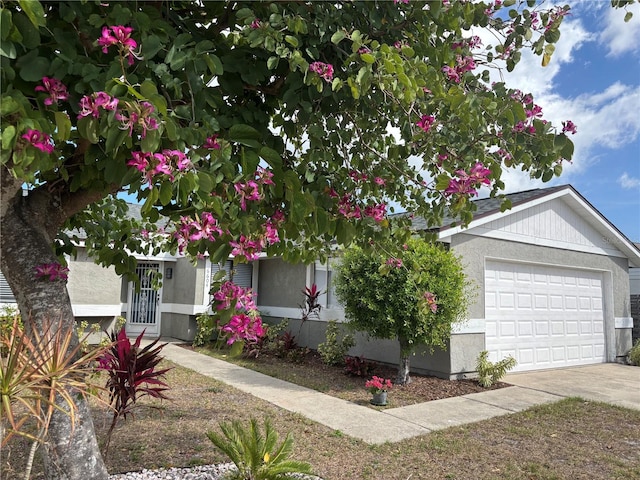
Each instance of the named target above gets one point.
<point>552,276</point>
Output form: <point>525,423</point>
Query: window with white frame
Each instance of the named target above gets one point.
<point>242,273</point>
<point>323,278</point>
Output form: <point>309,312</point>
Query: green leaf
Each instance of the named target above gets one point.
<point>34,11</point>
<point>34,69</point>
<point>505,205</point>
<point>245,135</point>
<point>442,181</point>
<point>5,23</point>
<point>272,63</point>
<point>345,232</point>
<point>148,89</point>
<point>547,175</point>
<point>368,58</point>
<point>8,135</point>
<point>88,128</point>
<point>221,253</point>
<point>166,193</point>
<point>151,142</point>
<point>63,126</point>
<point>115,139</point>
<point>291,40</point>
<point>8,105</point>
<point>30,34</point>
<point>205,182</point>
<point>272,157</point>
<point>214,64</point>
<point>628,16</point>
<point>338,36</point>
<point>7,49</point>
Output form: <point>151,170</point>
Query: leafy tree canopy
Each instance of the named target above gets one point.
<point>414,296</point>
<point>276,126</point>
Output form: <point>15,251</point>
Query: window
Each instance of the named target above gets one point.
<point>6,295</point>
<point>323,276</point>
<point>242,273</point>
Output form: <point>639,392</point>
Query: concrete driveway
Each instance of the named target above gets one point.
<point>606,382</point>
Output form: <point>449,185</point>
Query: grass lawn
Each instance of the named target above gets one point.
<point>572,439</point>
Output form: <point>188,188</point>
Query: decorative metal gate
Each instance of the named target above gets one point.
<point>144,305</point>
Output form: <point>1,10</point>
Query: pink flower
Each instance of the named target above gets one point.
<point>395,2</point>
<point>376,212</point>
<point>425,122</point>
<point>256,23</point>
<point>121,36</point>
<point>378,384</point>
<point>379,181</point>
<point>394,262</point>
<point>243,327</point>
<point>451,73</point>
<point>569,127</point>
<point>324,70</point>
<point>431,301</point>
<point>39,140</point>
<point>140,161</point>
<point>466,183</point>
<point>348,209</point>
<point>264,176</point>
<point>52,270</point>
<point>178,158</point>
<point>271,233</point>
<point>245,247</point>
<point>55,88</point>
<point>90,105</point>
<point>247,191</point>
<point>205,227</point>
<point>212,143</point>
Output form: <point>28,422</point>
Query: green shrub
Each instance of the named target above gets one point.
<point>333,350</point>
<point>255,454</point>
<point>489,372</point>
<point>206,326</point>
<point>633,357</point>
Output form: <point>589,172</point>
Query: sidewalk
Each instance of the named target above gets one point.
<point>367,424</point>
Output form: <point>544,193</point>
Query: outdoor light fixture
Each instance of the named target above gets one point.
<point>168,273</point>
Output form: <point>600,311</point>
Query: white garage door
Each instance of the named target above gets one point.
<point>545,317</point>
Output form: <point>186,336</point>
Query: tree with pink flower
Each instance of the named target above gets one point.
<point>237,127</point>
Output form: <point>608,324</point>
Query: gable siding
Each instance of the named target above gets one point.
<point>554,224</point>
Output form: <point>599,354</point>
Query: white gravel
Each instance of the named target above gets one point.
<point>203,472</point>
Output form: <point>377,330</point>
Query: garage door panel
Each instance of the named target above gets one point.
<point>547,316</point>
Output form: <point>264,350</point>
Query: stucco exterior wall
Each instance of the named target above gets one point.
<point>280,283</point>
<point>178,326</point>
<point>92,284</point>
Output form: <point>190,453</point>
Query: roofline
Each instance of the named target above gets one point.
<point>625,245</point>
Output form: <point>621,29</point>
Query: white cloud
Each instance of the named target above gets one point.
<point>621,37</point>
<point>627,182</point>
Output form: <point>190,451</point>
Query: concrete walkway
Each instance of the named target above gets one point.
<point>611,383</point>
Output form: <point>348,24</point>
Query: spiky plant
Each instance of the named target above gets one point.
<point>256,454</point>
<point>132,374</point>
<point>36,371</point>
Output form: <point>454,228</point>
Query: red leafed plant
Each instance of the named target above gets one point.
<point>132,374</point>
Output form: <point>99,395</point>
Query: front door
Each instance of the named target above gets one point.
<point>144,306</point>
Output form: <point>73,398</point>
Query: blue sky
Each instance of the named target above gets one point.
<point>593,80</point>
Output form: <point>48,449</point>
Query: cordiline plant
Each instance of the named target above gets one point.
<point>34,370</point>
<point>132,374</point>
<point>255,454</point>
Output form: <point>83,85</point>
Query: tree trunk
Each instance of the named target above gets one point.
<point>403,365</point>
<point>28,226</point>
